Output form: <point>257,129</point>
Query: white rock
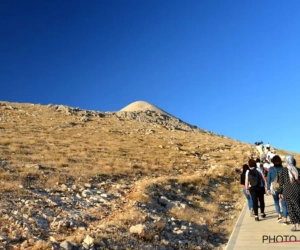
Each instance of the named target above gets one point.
<point>86,193</point>
<point>88,240</point>
<point>88,185</point>
<point>2,238</point>
<point>66,245</point>
<point>35,166</point>
<point>52,239</point>
<point>137,229</point>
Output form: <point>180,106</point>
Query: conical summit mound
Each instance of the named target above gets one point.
<point>143,106</point>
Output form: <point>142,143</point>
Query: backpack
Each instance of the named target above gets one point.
<point>275,183</point>
<point>254,178</point>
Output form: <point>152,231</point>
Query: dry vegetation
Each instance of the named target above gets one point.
<point>160,161</point>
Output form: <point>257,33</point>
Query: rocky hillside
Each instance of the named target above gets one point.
<point>79,179</point>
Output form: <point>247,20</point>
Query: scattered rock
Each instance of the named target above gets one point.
<point>137,229</point>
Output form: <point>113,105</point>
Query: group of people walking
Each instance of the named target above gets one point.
<point>260,177</point>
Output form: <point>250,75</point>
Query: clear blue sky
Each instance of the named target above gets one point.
<point>231,67</point>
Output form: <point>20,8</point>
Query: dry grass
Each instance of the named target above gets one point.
<point>42,245</point>
<point>193,180</point>
<point>131,217</point>
<point>187,214</point>
<point>77,238</point>
<point>9,186</point>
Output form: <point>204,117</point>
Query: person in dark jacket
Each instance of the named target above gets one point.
<point>273,173</point>
<point>256,191</point>
<point>248,196</point>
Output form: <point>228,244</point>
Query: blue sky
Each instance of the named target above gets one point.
<point>231,67</point>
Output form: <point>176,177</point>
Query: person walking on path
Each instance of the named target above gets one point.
<point>256,186</point>
<point>248,196</point>
<point>260,168</point>
<point>260,148</point>
<point>289,189</point>
<point>272,182</point>
<point>266,164</point>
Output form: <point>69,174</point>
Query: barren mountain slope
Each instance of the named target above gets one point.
<point>78,178</point>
